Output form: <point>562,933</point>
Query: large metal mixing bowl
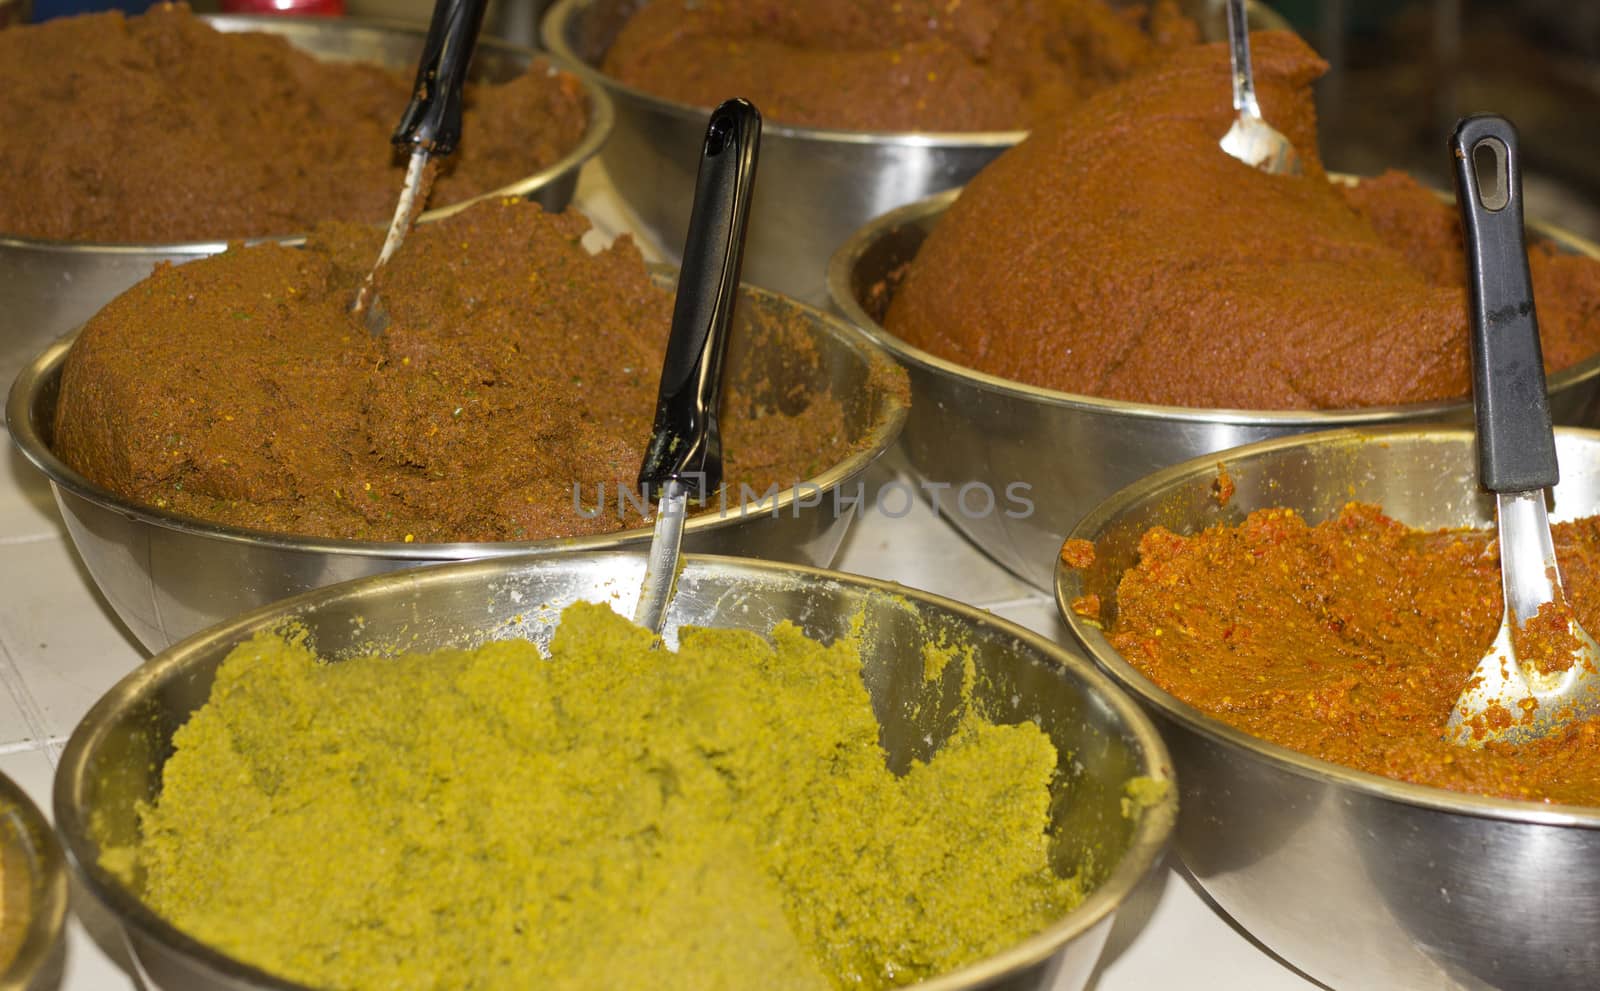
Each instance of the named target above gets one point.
<point>49,287</point>
<point>168,576</point>
<point>817,185</point>
<point>1360,881</point>
<point>1066,451</point>
<point>112,762</point>
<point>33,893</point>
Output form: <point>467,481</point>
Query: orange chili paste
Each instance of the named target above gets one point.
<point>1350,641</point>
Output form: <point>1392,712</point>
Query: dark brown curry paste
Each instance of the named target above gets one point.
<point>1119,252</point>
<point>159,128</point>
<point>517,377</point>
<point>912,65</point>
<point>1350,641</point>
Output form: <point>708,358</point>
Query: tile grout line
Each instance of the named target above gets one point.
<point>32,716</point>
<point>31,538</point>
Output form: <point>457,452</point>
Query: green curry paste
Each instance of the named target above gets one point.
<point>612,816</point>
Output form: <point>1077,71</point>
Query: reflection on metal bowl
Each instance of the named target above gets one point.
<point>49,287</point>
<point>1359,880</point>
<point>1071,451</point>
<point>112,762</point>
<point>33,894</point>
<point>168,576</point>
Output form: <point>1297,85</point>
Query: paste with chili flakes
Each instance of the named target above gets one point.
<point>514,387</point>
<point>160,128</point>
<point>1119,252</point>
<point>912,65</point>
<point>1350,641</point>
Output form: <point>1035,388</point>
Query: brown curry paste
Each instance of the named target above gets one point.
<point>159,128</point>
<point>517,377</point>
<point>912,65</point>
<point>1119,252</point>
<point>1350,641</point>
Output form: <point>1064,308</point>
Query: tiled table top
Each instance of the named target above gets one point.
<point>61,648</point>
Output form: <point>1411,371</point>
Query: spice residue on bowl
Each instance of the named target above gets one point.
<point>917,65</point>
<point>1120,253</point>
<point>159,128</point>
<point>510,397</point>
<point>615,816</point>
<point>1350,641</point>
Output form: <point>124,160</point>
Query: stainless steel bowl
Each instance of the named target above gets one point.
<point>49,287</point>
<point>33,893</point>
<point>1360,881</point>
<point>168,576</point>
<point>112,761</point>
<point>817,185</point>
<point>1070,451</point>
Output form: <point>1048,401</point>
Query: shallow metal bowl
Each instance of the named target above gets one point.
<point>49,287</point>
<point>1360,881</point>
<point>168,575</point>
<point>113,759</point>
<point>33,893</point>
<point>1067,451</point>
<point>817,185</point>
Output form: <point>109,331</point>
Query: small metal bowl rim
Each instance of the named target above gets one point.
<point>881,435</point>
<point>553,32</point>
<point>841,268</point>
<point>1091,637</point>
<point>47,917</point>
<point>601,121</point>
<point>1152,832</point>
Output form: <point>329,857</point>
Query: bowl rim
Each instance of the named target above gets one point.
<point>889,416</point>
<point>1152,833</point>
<point>842,266</point>
<point>598,127</point>
<point>47,884</point>
<point>561,15</point>
<point>1090,636</point>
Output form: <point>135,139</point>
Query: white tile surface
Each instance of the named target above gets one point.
<point>60,650</point>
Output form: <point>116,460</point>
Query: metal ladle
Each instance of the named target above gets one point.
<point>1506,699</point>
<point>685,453</point>
<point>1251,139</point>
<point>429,128</point>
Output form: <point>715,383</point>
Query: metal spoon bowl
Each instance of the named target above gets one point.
<point>1251,139</point>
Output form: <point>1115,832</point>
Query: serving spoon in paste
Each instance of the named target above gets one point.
<point>1541,673</point>
<point>1251,139</point>
<point>429,129</point>
<point>685,453</point>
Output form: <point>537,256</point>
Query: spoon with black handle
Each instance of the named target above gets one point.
<point>685,454</point>
<point>429,128</point>
<point>1541,673</point>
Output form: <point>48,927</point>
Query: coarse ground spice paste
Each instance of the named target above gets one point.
<point>615,816</point>
<point>517,379</point>
<point>911,65</point>
<point>159,128</point>
<point>1350,641</point>
<point>1119,252</point>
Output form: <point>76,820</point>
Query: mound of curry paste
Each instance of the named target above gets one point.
<point>1350,641</point>
<point>1119,252</point>
<point>616,816</point>
<point>913,65</point>
<point>159,128</point>
<point>510,397</point>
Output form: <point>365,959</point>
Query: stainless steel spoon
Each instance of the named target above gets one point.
<point>1251,139</point>
<point>685,453</point>
<point>1508,699</point>
<point>429,128</point>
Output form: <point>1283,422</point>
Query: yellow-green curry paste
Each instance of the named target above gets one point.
<point>612,817</point>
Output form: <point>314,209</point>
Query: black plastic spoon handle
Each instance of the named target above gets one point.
<point>1516,449</point>
<point>686,443</point>
<point>432,121</point>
